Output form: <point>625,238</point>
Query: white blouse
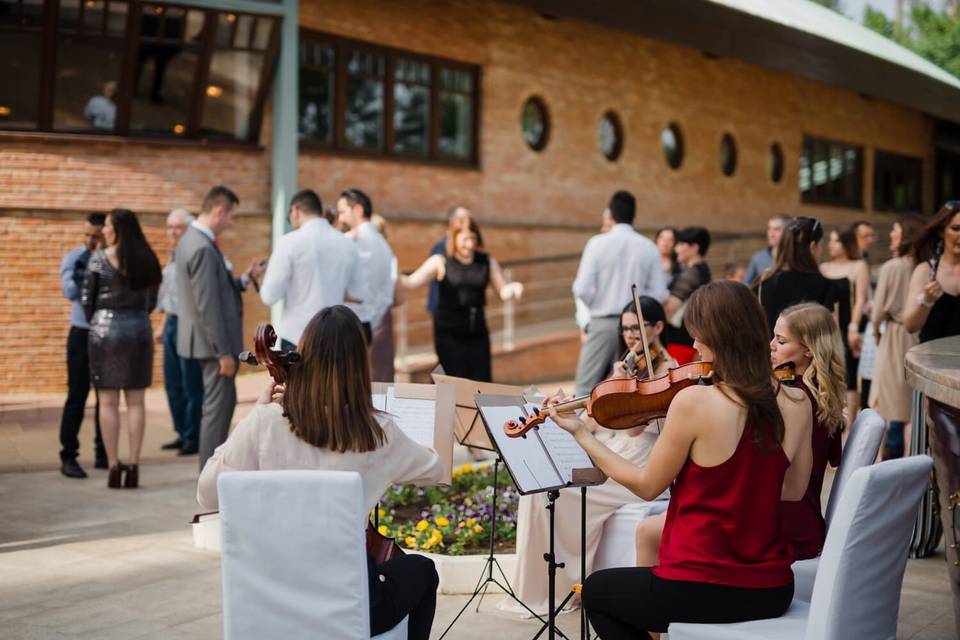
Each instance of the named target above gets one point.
<point>263,440</point>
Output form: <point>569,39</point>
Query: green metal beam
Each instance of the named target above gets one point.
<point>266,7</point>
<point>284,145</point>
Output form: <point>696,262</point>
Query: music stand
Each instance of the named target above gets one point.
<point>469,432</point>
<point>546,459</point>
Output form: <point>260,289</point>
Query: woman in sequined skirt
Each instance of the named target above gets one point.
<point>119,292</point>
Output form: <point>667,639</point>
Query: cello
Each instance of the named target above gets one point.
<point>278,363</point>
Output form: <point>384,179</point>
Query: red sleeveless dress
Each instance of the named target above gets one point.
<point>723,522</point>
<point>802,520</point>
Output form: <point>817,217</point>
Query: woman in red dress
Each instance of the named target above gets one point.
<point>732,451</point>
<point>808,336</point>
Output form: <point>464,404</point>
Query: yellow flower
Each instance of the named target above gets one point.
<point>436,536</point>
<point>381,513</point>
<point>422,525</point>
<point>383,529</point>
<point>468,502</point>
<point>427,544</point>
<point>478,528</point>
<point>442,522</point>
<point>411,542</point>
<point>471,522</point>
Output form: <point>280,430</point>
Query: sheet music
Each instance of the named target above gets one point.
<point>567,454</point>
<point>379,401</point>
<point>414,416</point>
<point>526,457</point>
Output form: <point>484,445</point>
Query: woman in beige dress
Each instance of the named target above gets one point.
<point>889,393</point>
<point>530,579</point>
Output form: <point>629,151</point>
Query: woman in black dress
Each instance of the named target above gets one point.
<point>460,334</point>
<point>795,276</point>
<point>933,301</point>
<point>119,292</point>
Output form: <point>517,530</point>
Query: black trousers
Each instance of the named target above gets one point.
<point>78,388</point>
<point>625,604</point>
<point>404,586</point>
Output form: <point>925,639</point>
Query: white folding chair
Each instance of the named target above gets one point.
<point>618,547</point>
<point>293,553</point>
<point>861,450</point>
<point>857,589</point>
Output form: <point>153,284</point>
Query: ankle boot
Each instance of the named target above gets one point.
<point>131,479</point>
<point>114,476</point>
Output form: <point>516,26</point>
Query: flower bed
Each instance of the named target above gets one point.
<point>452,520</point>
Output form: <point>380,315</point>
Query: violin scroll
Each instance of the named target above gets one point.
<point>278,363</point>
<point>520,426</point>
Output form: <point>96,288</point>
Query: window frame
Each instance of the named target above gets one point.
<point>891,161</point>
<point>810,197</point>
<point>338,145</point>
<point>50,32</point>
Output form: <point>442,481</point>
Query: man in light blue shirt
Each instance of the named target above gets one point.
<point>610,264</point>
<point>763,259</point>
<point>73,269</point>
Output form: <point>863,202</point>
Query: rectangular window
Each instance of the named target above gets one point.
<point>122,67</point>
<point>360,97</point>
<point>831,173</point>
<point>897,183</point>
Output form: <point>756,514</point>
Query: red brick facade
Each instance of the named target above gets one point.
<point>580,71</point>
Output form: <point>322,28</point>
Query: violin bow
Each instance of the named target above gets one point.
<point>643,331</point>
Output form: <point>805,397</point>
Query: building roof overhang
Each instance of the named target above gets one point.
<point>798,37</point>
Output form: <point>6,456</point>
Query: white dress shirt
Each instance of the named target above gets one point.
<point>311,269</point>
<point>612,262</point>
<point>263,440</point>
<point>376,260</point>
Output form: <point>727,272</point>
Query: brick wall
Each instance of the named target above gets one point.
<point>580,71</point>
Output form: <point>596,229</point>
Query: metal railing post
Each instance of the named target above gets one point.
<point>402,330</point>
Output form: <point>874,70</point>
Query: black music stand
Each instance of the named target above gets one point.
<point>537,464</point>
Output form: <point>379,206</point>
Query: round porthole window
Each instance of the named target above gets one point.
<point>671,139</point>
<point>535,122</point>
<point>775,167</point>
<point>610,136</point>
<point>728,155</point>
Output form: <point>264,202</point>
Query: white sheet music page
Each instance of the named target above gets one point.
<point>379,401</point>
<point>414,416</point>
<point>566,453</point>
<point>528,462</point>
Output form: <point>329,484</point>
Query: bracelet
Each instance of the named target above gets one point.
<point>922,300</point>
<point>853,326</point>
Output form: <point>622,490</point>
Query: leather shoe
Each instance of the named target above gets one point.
<point>173,444</point>
<point>189,449</point>
<point>72,469</point>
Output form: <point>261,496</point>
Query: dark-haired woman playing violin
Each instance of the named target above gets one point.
<point>324,419</point>
<point>731,452</point>
<point>635,444</point>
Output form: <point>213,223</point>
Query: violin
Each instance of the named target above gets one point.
<point>278,363</point>
<point>786,372</point>
<point>622,403</point>
<point>635,362</point>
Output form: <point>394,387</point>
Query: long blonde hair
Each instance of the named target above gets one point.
<point>815,327</point>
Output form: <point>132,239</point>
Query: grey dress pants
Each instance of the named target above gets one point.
<point>597,353</point>
<point>219,401</point>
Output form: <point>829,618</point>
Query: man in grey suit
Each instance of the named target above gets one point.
<point>211,313</point>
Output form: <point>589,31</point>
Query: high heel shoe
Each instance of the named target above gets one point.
<point>115,475</point>
<point>131,477</point>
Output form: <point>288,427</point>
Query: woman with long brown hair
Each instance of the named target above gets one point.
<point>324,419</point>
<point>890,394</point>
<point>464,271</point>
<point>846,262</point>
<point>933,301</point>
<point>808,336</point>
<point>732,451</point>
<point>119,292</point>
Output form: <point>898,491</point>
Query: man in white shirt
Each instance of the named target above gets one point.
<point>312,267</point>
<point>354,209</point>
<point>611,262</point>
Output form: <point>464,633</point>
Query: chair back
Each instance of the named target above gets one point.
<point>860,450</point>
<point>293,555</point>
<point>857,589</point>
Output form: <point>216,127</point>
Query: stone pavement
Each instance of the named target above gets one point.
<point>80,561</point>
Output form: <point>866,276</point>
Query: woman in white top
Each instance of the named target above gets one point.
<point>324,419</point>
<point>533,523</point>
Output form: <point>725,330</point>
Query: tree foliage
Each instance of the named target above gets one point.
<point>933,34</point>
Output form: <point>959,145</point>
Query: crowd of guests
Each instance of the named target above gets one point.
<point>742,460</point>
